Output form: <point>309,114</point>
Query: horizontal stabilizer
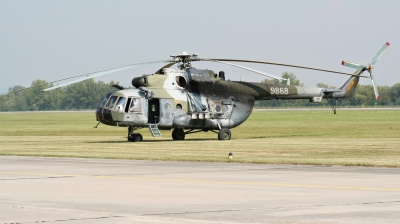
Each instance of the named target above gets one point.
<point>332,90</point>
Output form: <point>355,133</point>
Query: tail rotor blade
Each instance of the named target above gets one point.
<point>381,51</point>
<point>375,86</point>
<point>353,65</point>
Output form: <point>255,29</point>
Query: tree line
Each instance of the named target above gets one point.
<point>78,96</point>
<point>86,95</point>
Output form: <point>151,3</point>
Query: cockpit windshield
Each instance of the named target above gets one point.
<point>120,104</point>
<point>111,101</point>
<point>104,101</point>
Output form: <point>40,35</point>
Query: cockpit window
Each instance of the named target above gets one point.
<point>104,101</point>
<point>120,104</point>
<point>111,101</point>
<point>135,105</point>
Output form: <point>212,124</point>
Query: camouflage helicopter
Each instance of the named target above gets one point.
<point>190,100</point>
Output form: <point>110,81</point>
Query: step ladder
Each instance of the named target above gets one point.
<point>154,130</point>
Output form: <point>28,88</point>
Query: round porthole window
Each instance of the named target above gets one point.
<point>179,107</point>
<point>218,108</point>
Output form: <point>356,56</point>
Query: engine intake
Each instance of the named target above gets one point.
<point>180,81</point>
<point>139,81</point>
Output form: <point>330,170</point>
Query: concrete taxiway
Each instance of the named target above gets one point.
<point>70,190</point>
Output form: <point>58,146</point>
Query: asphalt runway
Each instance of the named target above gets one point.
<point>71,190</point>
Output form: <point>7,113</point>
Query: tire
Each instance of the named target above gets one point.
<point>137,138</point>
<point>224,134</point>
<point>178,134</point>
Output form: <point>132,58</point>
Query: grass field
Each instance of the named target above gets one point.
<point>357,138</point>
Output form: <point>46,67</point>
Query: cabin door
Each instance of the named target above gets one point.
<point>154,111</point>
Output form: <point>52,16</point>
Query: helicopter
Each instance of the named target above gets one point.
<point>190,100</point>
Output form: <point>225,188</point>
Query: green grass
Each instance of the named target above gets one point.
<point>356,138</point>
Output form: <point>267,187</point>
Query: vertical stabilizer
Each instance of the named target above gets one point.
<point>351,84</point>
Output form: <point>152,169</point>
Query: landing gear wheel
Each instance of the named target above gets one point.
<point>178,134</point>
<point>224,134</point>
<point>137,138</point>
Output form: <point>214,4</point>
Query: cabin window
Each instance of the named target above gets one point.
<point>218,108</point>
<point>135,105</point>
<point>111,101</point>
<point>167,106</point>
<point>227,108</point>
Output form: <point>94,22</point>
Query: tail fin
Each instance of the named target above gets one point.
<point>350,85</point>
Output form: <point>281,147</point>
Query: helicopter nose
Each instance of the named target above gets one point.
<point>107,115</point>
<point>99,114</point>
<point>103,114</point>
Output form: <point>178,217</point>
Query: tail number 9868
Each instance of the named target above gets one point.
<point>281,91</point>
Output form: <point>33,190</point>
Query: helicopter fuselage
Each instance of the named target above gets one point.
<point>198,99</point>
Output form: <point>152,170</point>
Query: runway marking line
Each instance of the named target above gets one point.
<point>268,184</point>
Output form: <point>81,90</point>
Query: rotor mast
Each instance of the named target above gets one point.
<point>184,59</point>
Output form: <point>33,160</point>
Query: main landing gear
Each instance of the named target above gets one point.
<point>179,133</point>
<point>134,137</point>
<point>224,134</point>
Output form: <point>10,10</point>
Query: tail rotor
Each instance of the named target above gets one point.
<point>369,67</point>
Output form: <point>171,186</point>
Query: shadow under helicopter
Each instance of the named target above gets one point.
<point>207,139</point>
<point>160,140</point>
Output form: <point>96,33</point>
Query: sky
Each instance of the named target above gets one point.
<point>51,40</point>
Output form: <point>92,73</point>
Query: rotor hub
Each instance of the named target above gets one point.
<point>184,59</point>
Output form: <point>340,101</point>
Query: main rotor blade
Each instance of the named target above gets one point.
<point>280,64</point>
<point>353,65</point>
<point>381,51</point>
<point>375,86</point>
<point>100,73</point>
<point>250,69</point>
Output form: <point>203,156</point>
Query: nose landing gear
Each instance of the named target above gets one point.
<point>134,137</point>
